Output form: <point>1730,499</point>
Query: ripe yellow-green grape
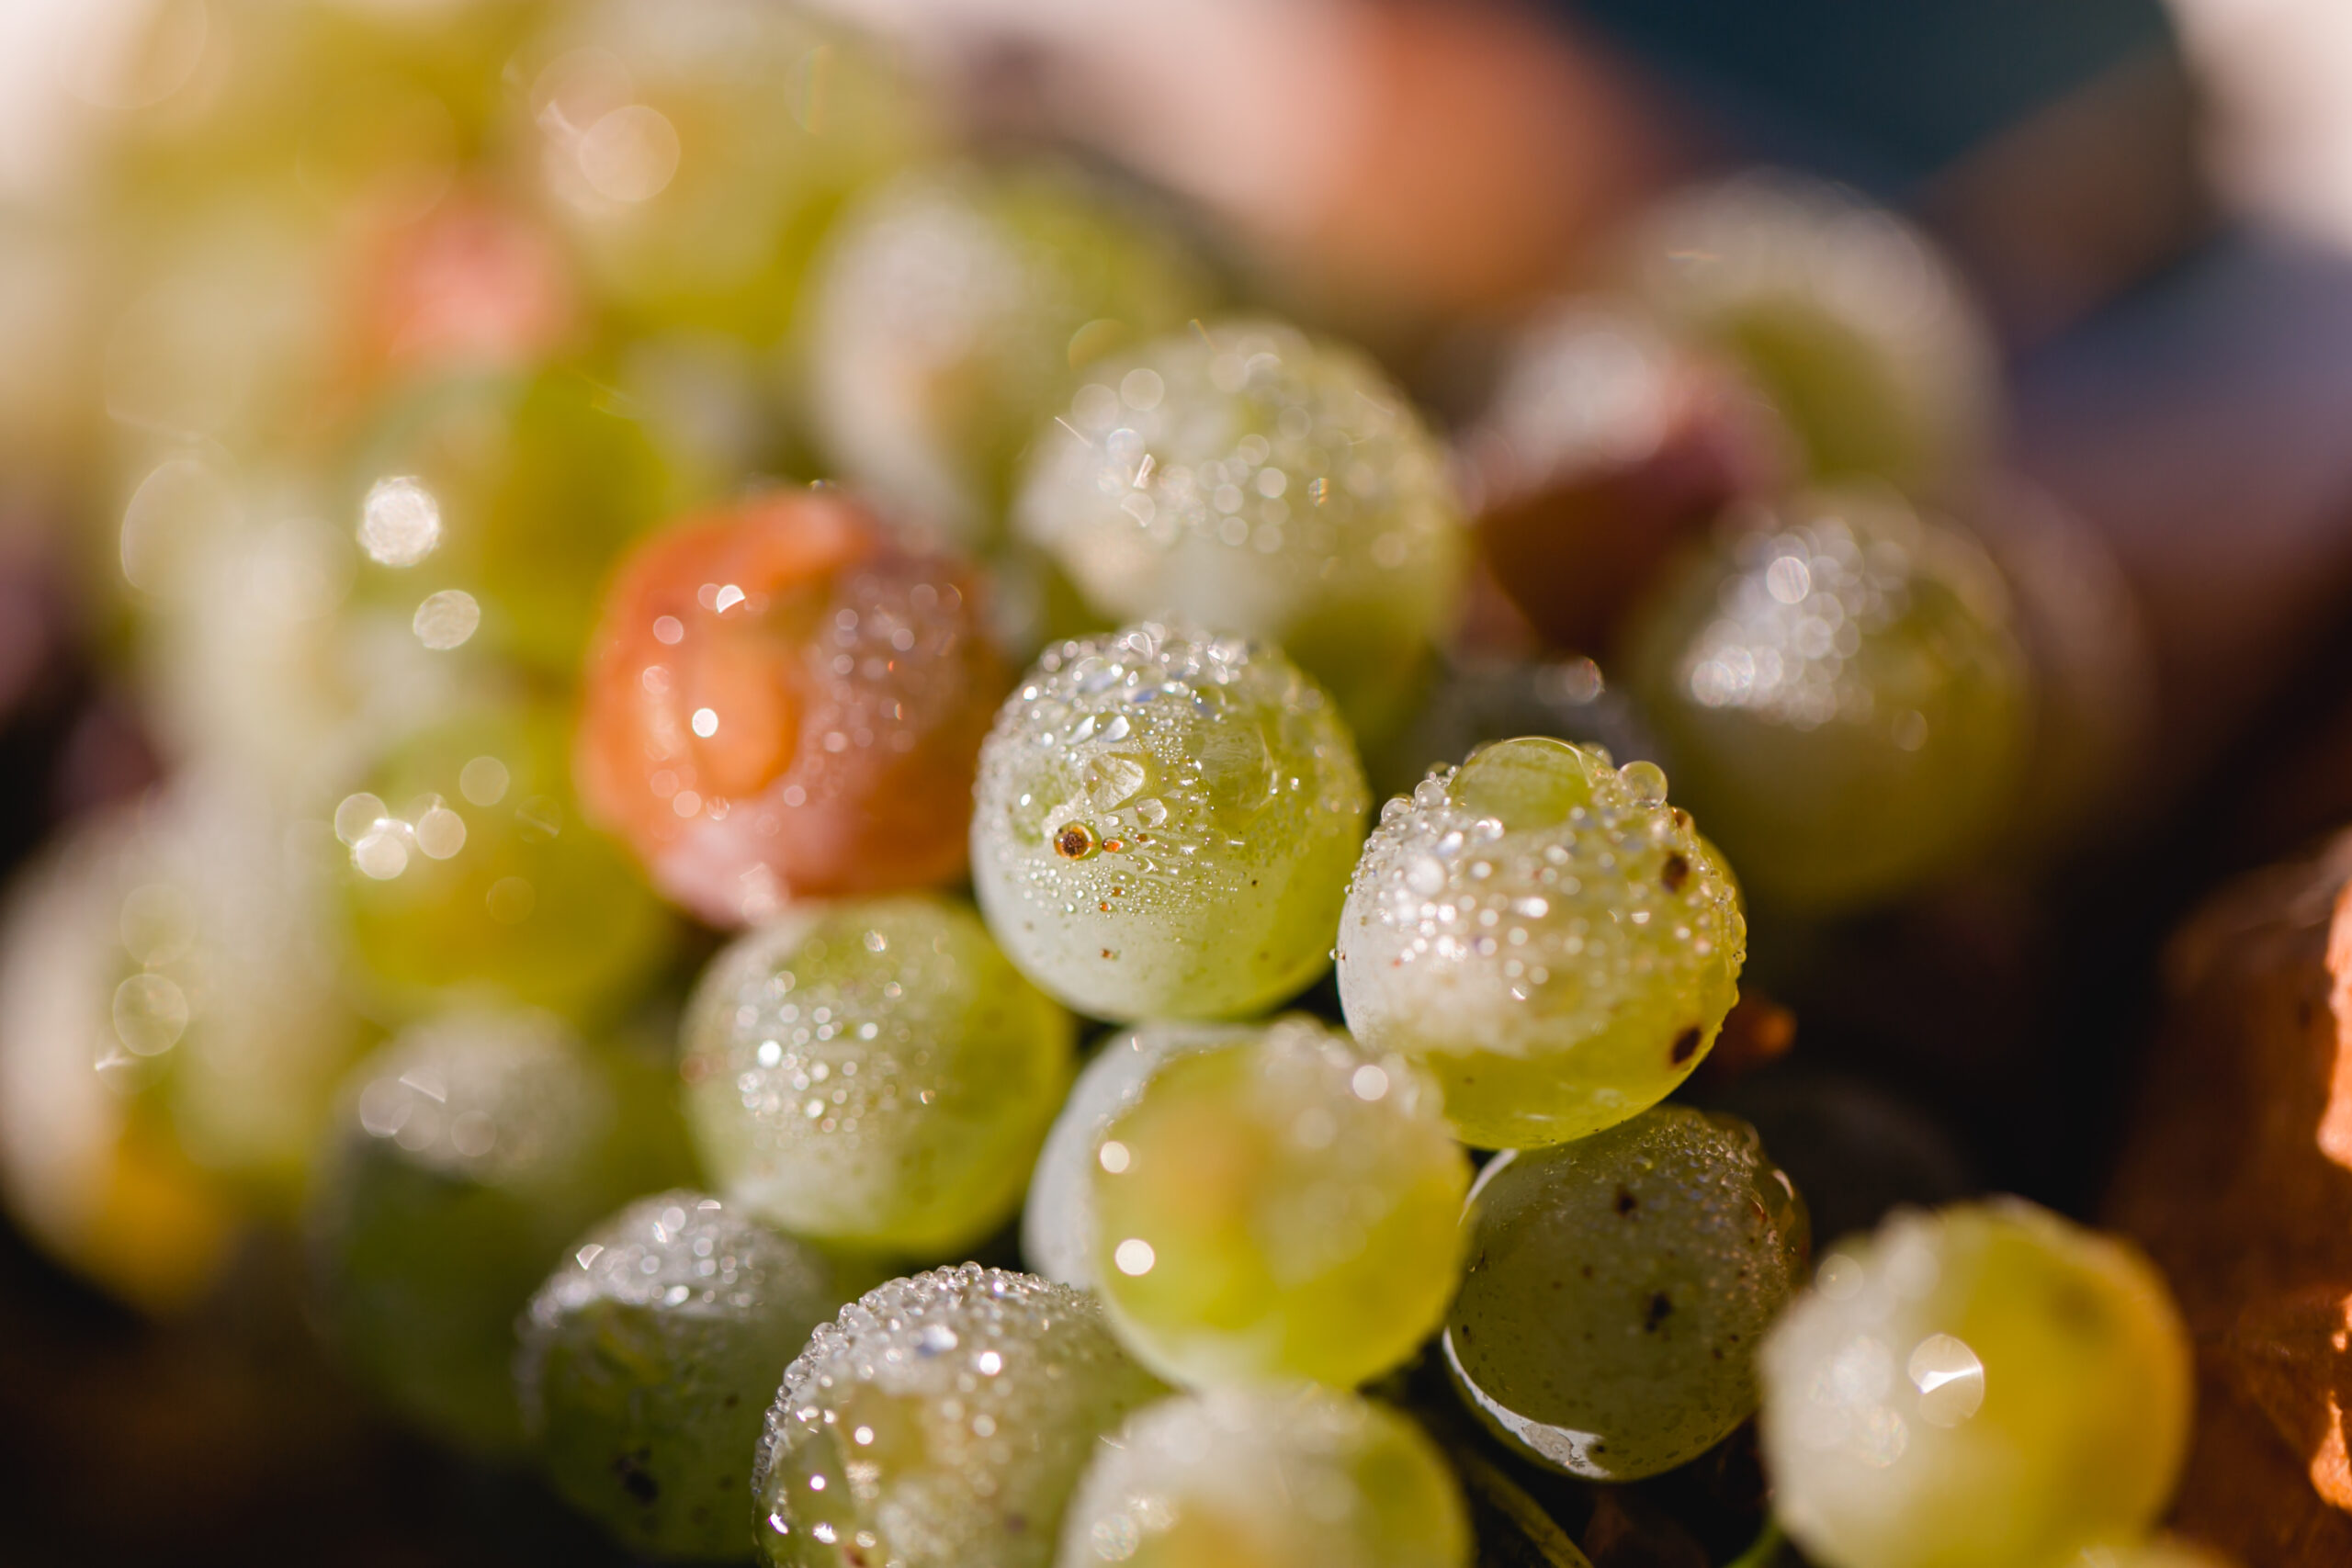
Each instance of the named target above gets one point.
<point>1281,1208</point>
<point>1547,936</point>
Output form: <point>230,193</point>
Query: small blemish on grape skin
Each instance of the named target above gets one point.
<point>1676,872</point>
<point>1685,1043</point>
<point>1626,1202</point>
<point>1659,1309</point>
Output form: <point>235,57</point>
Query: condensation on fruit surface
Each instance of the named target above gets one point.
<point>1618,1287</point>
<point>488,1098</point>
<point>1540,909</point>
<point>1246,476</point>
<point>941,1421</point>
<point>874,1072</point>
<point>1164,823</point>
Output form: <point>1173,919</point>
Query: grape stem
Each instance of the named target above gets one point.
<point>1765,1550</point>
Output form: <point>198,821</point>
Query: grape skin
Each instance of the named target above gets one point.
<point>1618,1288</point>
<point>647,1358</point>
<point>1987,1383</point>
<point>1058,1220</point>
<point>1555,943</point>
<point>1278,1475</point>
<point>469,1152</point>
<point>1841,694</point>
<point>941,1421</point>
<point>874,1073</point>
<point>1252,479</point>
<point>1164,824</point>
<point>944,318</point>
<point>1277,1209</point>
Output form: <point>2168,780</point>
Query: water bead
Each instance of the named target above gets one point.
<point>1547,936</point>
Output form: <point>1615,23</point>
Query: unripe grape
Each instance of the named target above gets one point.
<point>1252,480</point>
<point>781,700</point>
<point>1058,1222</point>
<point>1849,317</point>
<point>941,1422</point>
<point>1840,689</point>
<point>1277,1475</point>
<point>945,316</point>
<point>874,1073</point>
<point>648,1358</point>
<point>471,874</point>
<point>1279,1208</point>
<point>1545,935</point>
<point>1164,825</point>
<point>1618,1288</point>
<point>470,1151</point>
<point>1988,1384</point>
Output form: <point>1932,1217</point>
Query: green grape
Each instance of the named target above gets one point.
<point>1058,1222</point>
<point>1284,1207</point>
<point>696,149</point>
<point>1850,317</point>
<point>494,506</point>
<point>945,317</point>
<point>874,1073</point>
<point>941,1422</point>
<point>1164,824</point>
<point>1253,481</point>
<point>471,1151</point>
<point>1547,936</point>
<point>471,874</point>
<point>2160,1551</point>
<point>1237,1478</point>
<point>648,1358</point>
<point>1618,1288</point>
<point>1839,688</point>
<point>1988,1384</point>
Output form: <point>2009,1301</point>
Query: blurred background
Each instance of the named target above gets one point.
<point>581,263</point>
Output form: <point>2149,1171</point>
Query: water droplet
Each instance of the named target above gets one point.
<point>483,781</point>
<point>399,522</point>
<point>446,619</point>
<point>150,1014</point>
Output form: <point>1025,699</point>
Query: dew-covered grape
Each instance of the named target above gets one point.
<point>942,1422</point>
<point>471,1151</point>
<point>945,316</point>
<point>783,701</point>
<point>1283,1207</point>
<point>1275,1475</point>
<point>1164,825</point>
<point>1544,934</point>
<point>1987,1383</point>
<point>649,1357</point>
<point>1058,1222</point>
<point>1249,480</point>
<point>1618,1288</point>
<point>1841,694</point>
<point>874,1073</point>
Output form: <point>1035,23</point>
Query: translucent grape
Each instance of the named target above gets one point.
<point>1841,694</point>
<point>874,1073</point>
<point>1545,935</point>
<point>471,1152</point>
<point>1618,1288</point>
<point>942,1422</point>
<point>1985,1385</point>
<point>1165,821</point>
<point>1849,317</point>
<point>468,873</point>
<point>945,316</point>
<point>648,1358</point>
<point>1281,1208</point>
<point>695,150</point>
<point>1058,1222</point>
<point>1253,481</point>
<point>782,700</point>
<point>1276,1475</point>
<point>516,491</point>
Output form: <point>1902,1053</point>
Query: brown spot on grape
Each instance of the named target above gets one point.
<point>1674,873</point>
<point>1659,1309</point>
<point>1685,1044</point>
<point>1626,1202</point>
